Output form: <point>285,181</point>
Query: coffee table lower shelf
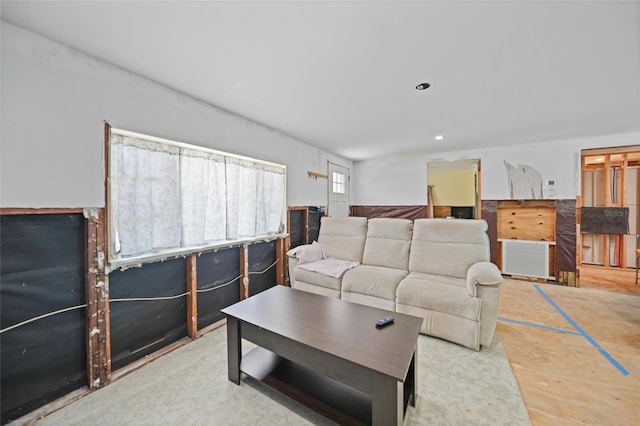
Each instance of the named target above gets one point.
<point>334,400</point>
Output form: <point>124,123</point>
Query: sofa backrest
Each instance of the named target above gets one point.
<point>448,246</point>
<point>343,237</point>
<point>388,242</point>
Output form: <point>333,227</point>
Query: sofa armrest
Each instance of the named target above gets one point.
<point>303,254</point>
<point>293,253</point>
<point>307,253</point>
<point>482,273</point>
<point>292,261</point>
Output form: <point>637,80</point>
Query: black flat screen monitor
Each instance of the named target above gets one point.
<point>462,212</point>
<point>604,220</point>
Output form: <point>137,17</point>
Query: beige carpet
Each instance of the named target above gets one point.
<point>189,386</point>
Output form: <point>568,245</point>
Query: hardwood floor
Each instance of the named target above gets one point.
<point>609,279</point>
<point>575,352</point>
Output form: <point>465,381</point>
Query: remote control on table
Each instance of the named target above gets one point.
<point>384,321</point>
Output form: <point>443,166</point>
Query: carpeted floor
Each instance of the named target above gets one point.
<point>189,386</point>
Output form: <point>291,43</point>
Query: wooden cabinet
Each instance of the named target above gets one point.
<point>533,220</point>
<point>441,211</point>
<point>530,221</point>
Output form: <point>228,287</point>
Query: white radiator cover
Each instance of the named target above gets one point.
<point>525,258</point>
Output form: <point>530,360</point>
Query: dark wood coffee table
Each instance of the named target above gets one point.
<point>327,354</point>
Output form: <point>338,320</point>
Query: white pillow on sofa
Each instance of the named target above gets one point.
<point>309,253</point>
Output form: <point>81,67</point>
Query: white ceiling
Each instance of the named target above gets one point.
<point>342,75</point>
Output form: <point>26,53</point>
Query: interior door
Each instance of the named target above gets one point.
<point>338,197</point>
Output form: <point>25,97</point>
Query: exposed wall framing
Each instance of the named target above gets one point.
<point>130,315</point>
<point>303,225</point>
<point>610,178</point>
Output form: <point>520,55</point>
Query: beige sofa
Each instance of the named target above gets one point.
<point>437,269</point>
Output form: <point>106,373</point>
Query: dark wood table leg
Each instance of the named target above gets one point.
<point>234,349</point>
<point>413,378</point>
<point>388,401</point>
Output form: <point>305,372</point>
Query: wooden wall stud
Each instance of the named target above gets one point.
<point>97,297</point>
<point>192,296</point>
<point>280,257</point>
<point>244,271</point>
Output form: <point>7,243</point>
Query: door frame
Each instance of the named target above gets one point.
<point>477,183</point>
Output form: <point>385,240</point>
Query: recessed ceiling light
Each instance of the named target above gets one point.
<point>439,137</point>
<point>423,86</point>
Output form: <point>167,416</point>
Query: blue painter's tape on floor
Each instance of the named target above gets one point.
<point>579,329</point>
<point>544,327</point>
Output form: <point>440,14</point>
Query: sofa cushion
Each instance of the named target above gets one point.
<point>438,293</point>
<point>332,267</point>
<point>445,326</point>
<point>343,237</point>
<point>365,299</point>
<point>375,281</point>
<point>315,278</point>
<point>316,289</point>
<point>448,246</point>
<point>387,244</point>
<point>442,279</point>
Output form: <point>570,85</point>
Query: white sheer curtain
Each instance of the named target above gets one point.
<point>202,183</point>
<point>166,196</point>
<point>270,199</point>
<point>242,187</point>
<point>255,198</point>
<point>146,197</point>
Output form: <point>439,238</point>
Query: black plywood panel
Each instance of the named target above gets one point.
<point>565,236</point>
<point>261,258</point>
<point>490,214</point>
<point>604,220</point>
<point>296,227</point>
<point>314,225</point>
<point>218,284</point>
<point>41,271</point>
<point>140,327</point>
<point>406,212</point>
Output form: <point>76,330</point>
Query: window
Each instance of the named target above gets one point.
<point>339,183</point>
<point>168,197</point>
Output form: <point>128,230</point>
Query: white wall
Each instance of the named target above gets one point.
<point>54,104</point>
<point>390,181</point>
<point>55,101</point>
<point>403,180</point>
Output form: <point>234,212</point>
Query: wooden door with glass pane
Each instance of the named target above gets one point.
<point>338,188</point>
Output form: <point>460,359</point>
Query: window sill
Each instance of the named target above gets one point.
<point>138,261</point>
